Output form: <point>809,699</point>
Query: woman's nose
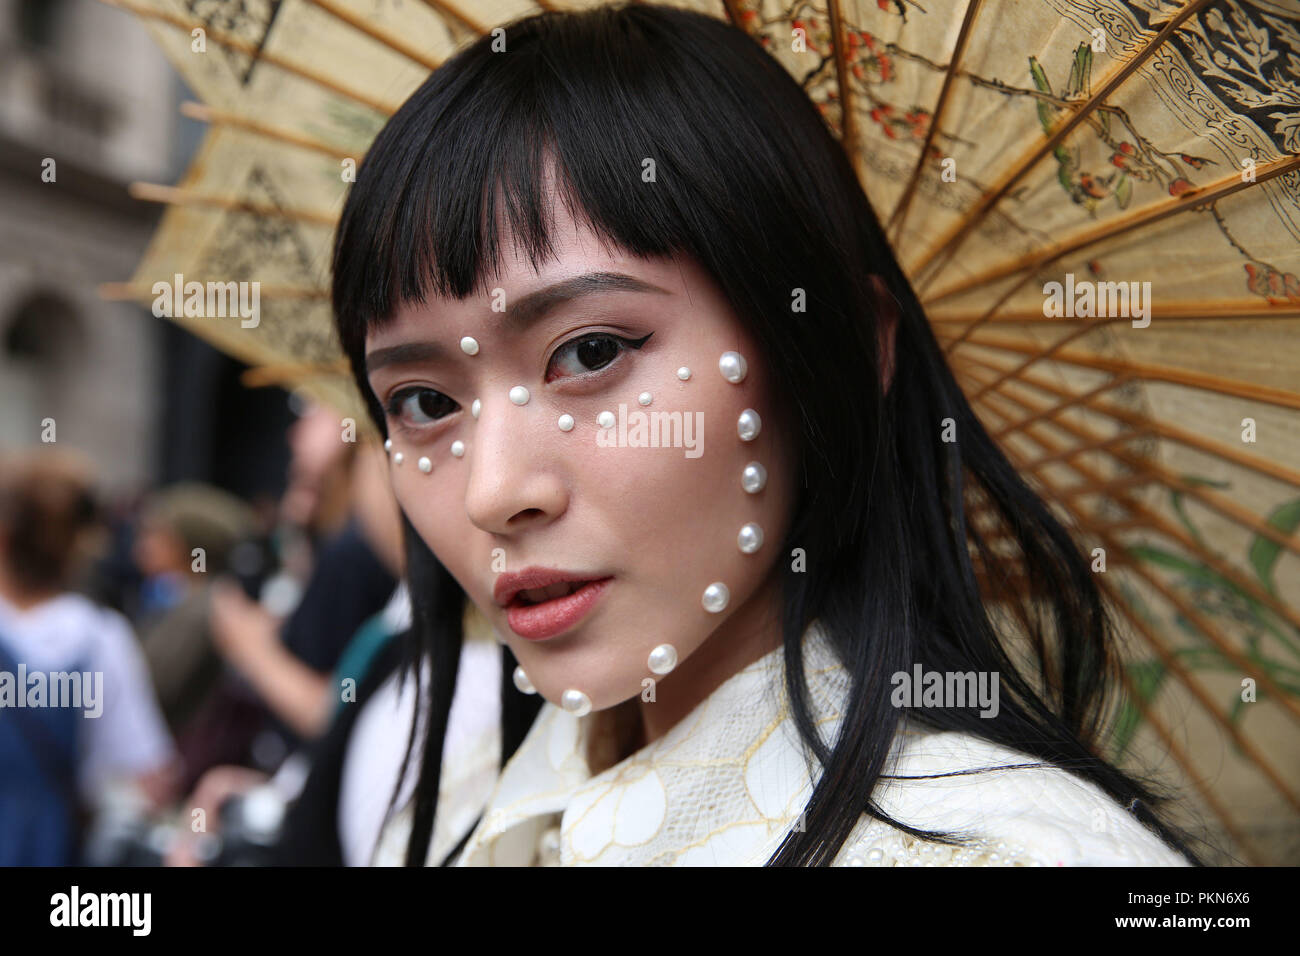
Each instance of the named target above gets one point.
<point>513,482</point>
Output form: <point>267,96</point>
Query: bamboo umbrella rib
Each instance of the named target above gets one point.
<point>360,25</point>
<point>1080,398</point>
<point>453,12</point>
<point>848,121</point>
<point>1184,676</point>
<point>732,8</point>
<point>216,117</point>
<point>175,196</point>
<point>1281,397</point>
<point>952,239</point>
<point>1042,353</point>
<point>1193,198</point>
<point>1181,758</point>
<point>1169,312</point>
<point>187,25</point>
<point>1140,424</point>
<point>899,215</point>
<point>262,376</point>
<point>1156,522</point>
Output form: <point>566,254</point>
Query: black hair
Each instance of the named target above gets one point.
<point>751,184</point>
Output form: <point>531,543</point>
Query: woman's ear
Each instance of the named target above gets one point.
<point>886,330</point>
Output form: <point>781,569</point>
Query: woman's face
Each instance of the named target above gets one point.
<point>532,482</point>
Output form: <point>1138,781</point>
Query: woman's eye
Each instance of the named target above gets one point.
<point>417,407</point>
<point>590,353</point>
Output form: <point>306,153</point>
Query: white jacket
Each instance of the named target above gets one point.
<point>729,781</point>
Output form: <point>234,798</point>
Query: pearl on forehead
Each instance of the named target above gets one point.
<point>458,448</point>
<point>716,597</point>
<point>733,367</point>
<point>748,425</point>
<point>645,398</point>
<point>566,423</point>
<point>475,407</point>
<point>662,659</point>
<point>424,464</point>
<point>753,478</point>
<point>522,683</point>
<point>750,538</point>
<point>605,419</point>
<point>469,345</point>
<point>397,458</point>
<point>576,702</point>
<point>519,395</point>
<point>683,373</point>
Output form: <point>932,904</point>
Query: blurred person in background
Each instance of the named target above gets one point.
<point>59,763</point>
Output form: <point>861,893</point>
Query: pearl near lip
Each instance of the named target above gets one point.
<point>716,597</point>
<point>519,395</point>
<point>576,702</point>
<point>645,398</point>
<point>469,345</point>
<point>398,458</point>
<point>522,683</point>
<point>748,425</point>
<point>733,367</point>
<point>683,373</point>
<point>605,419</point>
<point>425,465</point>
<point>662,659</point>
<point>753,478</point>
<point>566,423</point>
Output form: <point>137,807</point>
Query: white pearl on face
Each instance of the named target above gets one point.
<point>576,702</point>
<point>469,345</point>
<point>398,458</point>
<point>519,395</point>
<point>733,367</point>
<point>605,419</point>
<point>475,407</point>
<point>522,683</point>
<point>458,448</point>
<point>566,423</point>
<point>716,597</point>
<point>644,398</point>
<point>662,659</point>
<point>750,538</point>
<point>753,478</point>
<point>388,444</point>
<point>683,373</point>
<point>424,464</point>
<point>748,425</point>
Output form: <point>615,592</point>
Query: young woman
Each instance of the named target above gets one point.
<point>664,410</point>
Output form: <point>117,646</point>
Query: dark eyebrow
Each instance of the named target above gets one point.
<point>527,310</point>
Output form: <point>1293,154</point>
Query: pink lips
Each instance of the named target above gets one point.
<point>537,622</point>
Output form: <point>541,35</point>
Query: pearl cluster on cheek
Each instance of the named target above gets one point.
<point>753,478</point>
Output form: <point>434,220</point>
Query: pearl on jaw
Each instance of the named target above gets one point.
<point>424,464</point>
<point>605,419</point>
<point>645,398</point>
<point>522,683</point>
<point>519,395</point>
<point>733,367</point>
<point>750,538</point>
<point>716,597</point>
<point>683,373</point>
<point>469,345</point>
<point>397,458</point>
<point>475,407</point>
<point>753,478</point>
<point>748,425</point>
<point>662,659</point>
<point>566,423</point>
<point>388,444</point>
<point>576,702</point>
<point>458,448</point>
